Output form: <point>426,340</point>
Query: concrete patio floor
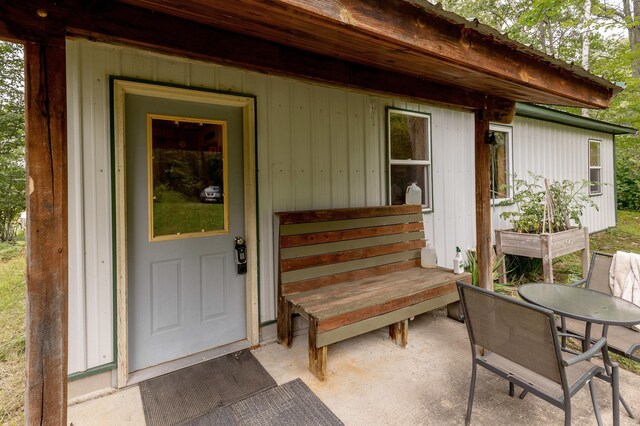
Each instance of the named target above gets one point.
<point>371,381</point>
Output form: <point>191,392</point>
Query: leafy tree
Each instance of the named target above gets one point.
<point>601,35</point>
<point>12,163</point>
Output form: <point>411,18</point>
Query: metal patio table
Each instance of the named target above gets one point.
<point>590,306</point>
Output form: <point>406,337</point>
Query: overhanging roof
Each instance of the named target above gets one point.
<point>412,37</point>
<point>561,117</point>
<point>406,48</point>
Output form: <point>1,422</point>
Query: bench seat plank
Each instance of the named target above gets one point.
<point>350,302</point>
<point>363,290</point>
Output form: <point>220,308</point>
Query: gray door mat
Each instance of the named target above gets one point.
<point>191,392</point>
<point>292,404</point>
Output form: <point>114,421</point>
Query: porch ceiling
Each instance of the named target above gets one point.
<point>411,37</point>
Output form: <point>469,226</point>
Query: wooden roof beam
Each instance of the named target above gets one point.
<point>131,25</point>
<point>437,45</point>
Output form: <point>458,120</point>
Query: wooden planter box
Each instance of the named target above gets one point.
<point>543,246</point>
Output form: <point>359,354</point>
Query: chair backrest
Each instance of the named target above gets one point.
<point>521,332</point>
<point>598,278</point>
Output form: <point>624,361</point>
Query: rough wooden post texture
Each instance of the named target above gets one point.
<point>547,258</point>
<point>483,201</point>
<point>399,333</point>
<point>502,278</point>
<point>317,356</point>
<point>285,331</point>
<point>47,230</point>
<point>586,254</point>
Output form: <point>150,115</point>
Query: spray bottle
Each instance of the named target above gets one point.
<point>458,264</point>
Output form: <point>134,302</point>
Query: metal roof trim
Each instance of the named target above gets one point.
<point>561,117</point>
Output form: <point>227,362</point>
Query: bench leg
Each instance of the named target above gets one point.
<point>285,332</point>
<point>317,356</point>
<point>399,333</point>
<point>454,311</point>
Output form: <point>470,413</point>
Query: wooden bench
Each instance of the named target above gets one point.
<point>351,271</point>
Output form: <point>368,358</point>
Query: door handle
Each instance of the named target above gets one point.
<point>241,255</point>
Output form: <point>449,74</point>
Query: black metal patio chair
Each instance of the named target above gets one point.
<point>623,341</point>
<point>521,344</point>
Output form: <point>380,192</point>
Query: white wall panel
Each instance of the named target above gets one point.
<point>355,136</point>
<point>561,152</point>
<point>317,147</point>
<point>321,148</point>
<point>77,299</point>
<point>300,113</point>
<point>338,145</point>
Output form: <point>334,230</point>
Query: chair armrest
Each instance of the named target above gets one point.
<point>573,336</point>
<point>593,350</point>
<point>578,283</point>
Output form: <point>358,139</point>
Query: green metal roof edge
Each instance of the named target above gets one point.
<point>561,117</point>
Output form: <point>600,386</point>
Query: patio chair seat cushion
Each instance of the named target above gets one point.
<point>622,340</point>
<point>576,374</point>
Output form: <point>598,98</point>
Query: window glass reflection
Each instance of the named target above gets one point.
<point>187,179</point>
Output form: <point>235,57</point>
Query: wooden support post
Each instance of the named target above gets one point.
<point>399,333</point>
<point>285,332</point>
<point>547,260</point>
<point>586,254</point>
<point>47,233</point>
<point>483,201</point>
<point>317,356</point>
<point>502,278</point>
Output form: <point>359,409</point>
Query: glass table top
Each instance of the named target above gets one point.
<point>581,303</point>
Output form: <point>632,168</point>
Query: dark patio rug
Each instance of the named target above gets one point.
<point>191,392</point>
<point>292,404</point>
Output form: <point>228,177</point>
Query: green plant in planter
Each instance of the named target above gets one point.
<point>547,206</point>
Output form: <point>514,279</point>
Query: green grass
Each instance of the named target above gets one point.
<point>568,269</point>
<point>12,332</point>
<point>170,218</point>
<point>624,237</point>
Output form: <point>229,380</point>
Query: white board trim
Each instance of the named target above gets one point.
<point>247,103</point>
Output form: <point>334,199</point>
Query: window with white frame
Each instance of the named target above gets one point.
<point>501,163</point>
<point>595,167</point>
<point>409,137</point>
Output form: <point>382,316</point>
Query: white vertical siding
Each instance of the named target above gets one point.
<point>561,152</point>
<point>317,147</point>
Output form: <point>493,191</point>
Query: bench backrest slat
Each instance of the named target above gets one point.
<point>325,247</point>
<point>352,234</point>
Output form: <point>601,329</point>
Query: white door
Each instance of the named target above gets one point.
<point>184,208</point>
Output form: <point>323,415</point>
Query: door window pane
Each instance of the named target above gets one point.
<point>187,177</point>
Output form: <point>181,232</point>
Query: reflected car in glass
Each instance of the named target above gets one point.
<point>211,194</point>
